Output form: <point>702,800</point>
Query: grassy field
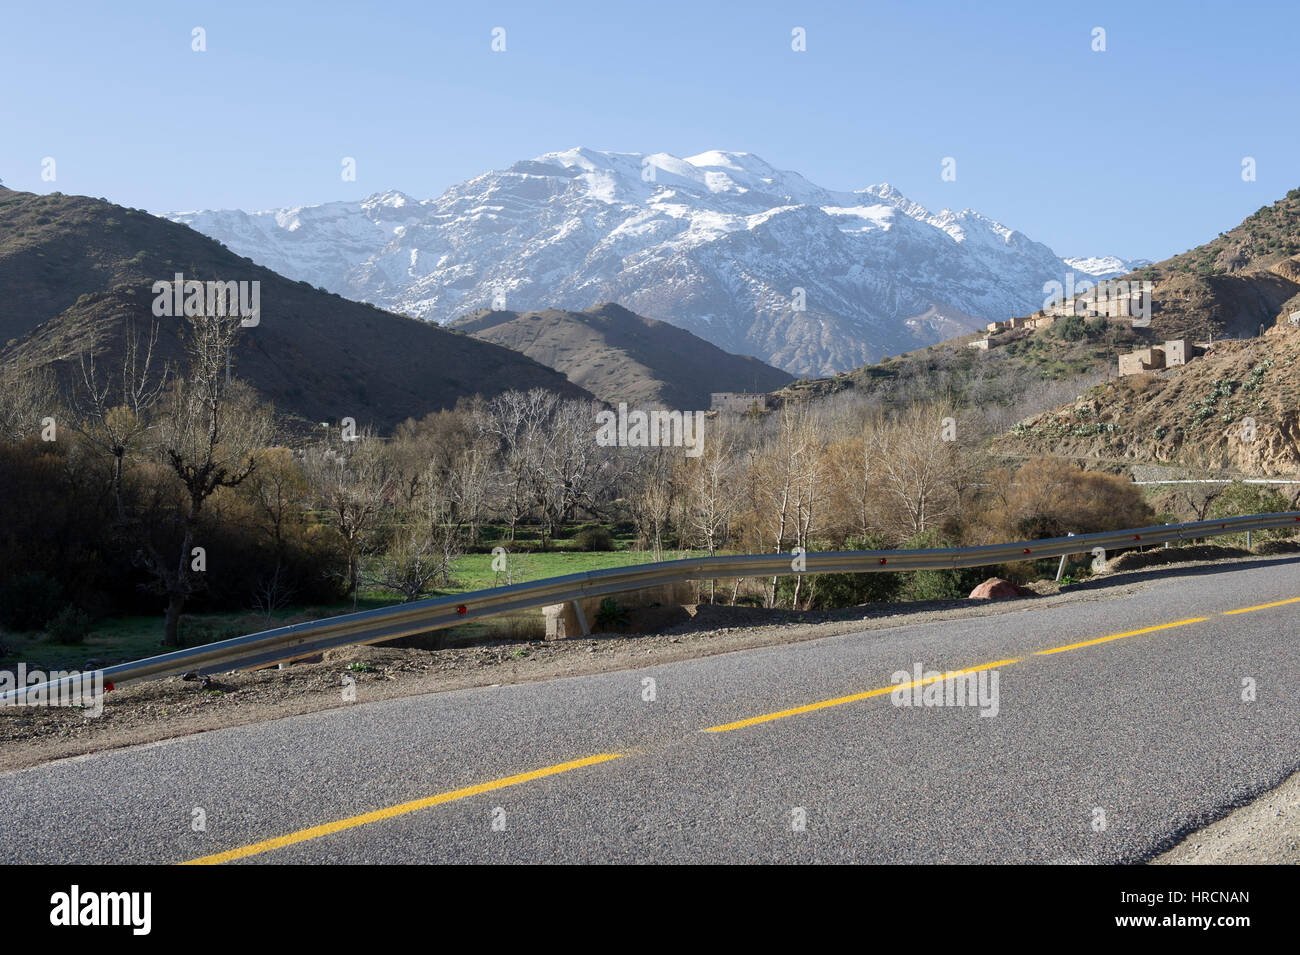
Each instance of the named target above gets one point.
<point>116,639</point>
<point>474,571</point>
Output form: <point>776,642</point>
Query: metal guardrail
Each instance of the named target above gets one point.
<point>299,640</point>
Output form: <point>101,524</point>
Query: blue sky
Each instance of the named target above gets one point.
<point>1135,151</point>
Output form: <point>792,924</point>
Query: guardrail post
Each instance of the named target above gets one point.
<point>1060,568</point>
<point>1247,540</point>
<point>582,618</point>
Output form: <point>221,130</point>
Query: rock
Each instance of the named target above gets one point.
<point>995,588</point>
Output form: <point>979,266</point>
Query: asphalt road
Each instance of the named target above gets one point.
<point>1105,752</point>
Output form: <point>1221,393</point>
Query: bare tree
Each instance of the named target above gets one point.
<point>352,483</point>
<point>28,398</point>
<point>207,434</point>
<point>786,470</point>
<point>710,500</point>
<point>653,494</point>
<point>917,467</point>
<point>516,422</point>
<point>115,409</point>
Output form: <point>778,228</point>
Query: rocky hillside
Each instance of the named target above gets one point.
<point>75,271</point>
<point>1237,407</point>
<point>618,355</point>
<point>1243,281</point>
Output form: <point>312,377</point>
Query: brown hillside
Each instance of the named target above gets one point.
<point>73,270</point>
<point>1246,278</point>
<point>1194,415</point>
<point>618,355</point>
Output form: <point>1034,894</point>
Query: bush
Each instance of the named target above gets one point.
<point>830,591</point>
<point>610,615</point>
<point>593,539</point>
<point>28,601</point>
<point>953,584</point>
<point>1072,328</point>
<point>71,625</point>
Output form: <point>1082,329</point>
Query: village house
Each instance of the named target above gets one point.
<point>734,402</point>
<point>1169,355</point>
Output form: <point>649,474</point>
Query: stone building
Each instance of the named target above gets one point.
<point>1169,355</point>
<point>735,402</point>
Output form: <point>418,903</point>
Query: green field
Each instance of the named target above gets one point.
<point>116,639</point>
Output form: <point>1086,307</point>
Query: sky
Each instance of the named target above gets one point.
<point>1136,150</point>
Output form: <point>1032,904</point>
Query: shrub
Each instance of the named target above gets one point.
<point>951,584</point>
<point>71,625</point>
<point>830,591</point>
<point>1049,497</point>
<point>610,615</point>
<point>28,601</point>
<point>593,539</point>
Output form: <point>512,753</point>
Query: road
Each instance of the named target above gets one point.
<point>1120,726</point>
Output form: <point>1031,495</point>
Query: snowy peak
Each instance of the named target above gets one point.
<point>1105,266</point>
<point>755,259</point>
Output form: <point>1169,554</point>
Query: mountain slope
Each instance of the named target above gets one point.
<point>1232,286</point>
<point>618,355</point>
<point>718,244</point>
<point>1246,279</point>
<point>74,270</point>
<point>1236,407</point>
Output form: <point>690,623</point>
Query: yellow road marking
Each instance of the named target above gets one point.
<point>400,810</point>
<point>1120,636</point>
<point>840,701</point>
<point>1265,606</point>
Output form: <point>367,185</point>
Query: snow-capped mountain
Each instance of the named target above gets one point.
<point>1104,266</point>
<point>757,260</point>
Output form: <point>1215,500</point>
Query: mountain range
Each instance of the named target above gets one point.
<point>756,260</point>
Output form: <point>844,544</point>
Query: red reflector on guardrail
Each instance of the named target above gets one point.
<point>461,609</point>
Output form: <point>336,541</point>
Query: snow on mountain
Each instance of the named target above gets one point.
<point>1105,266</point>
<point>757,260</point>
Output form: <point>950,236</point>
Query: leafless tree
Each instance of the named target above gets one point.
<point>114,409</point>
<point>26,399</point>
<point>710,500</point>
<point>207,433</point>
<point>352,483</point>
<point>917,468</point>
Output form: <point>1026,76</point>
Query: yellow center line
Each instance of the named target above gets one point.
<point>352,822</point>
<point>402,809</point>
<point>1264,606</point>
<point>841,700</point>
<point>1121,636</point>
